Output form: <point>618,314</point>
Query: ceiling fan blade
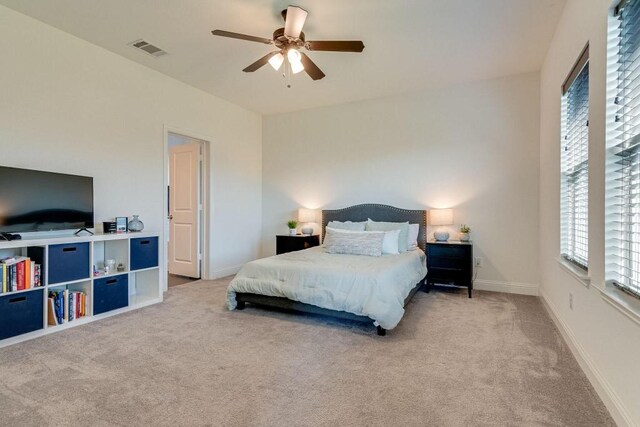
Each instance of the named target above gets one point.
<point>293,23</point>
<point>260,62</point>
<point>336,45</point>
<point>241,36</point>
<point>310,67</point>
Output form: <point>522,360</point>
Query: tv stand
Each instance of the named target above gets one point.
<point>77,264</point>
<point>83,229</point>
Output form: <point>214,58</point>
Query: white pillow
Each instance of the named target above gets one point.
<point>353,242</point>
<point>412,237</point>
<point>390,241</point>
<point>343,230</point>
<point>388,226</point>
<point>347,225</point>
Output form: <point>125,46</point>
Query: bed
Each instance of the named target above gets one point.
<point>368,289</point>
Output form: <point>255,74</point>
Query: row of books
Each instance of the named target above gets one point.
<point>65,305</point>
<point>19,273</point>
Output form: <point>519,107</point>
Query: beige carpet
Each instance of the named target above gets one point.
<point>494,360</point>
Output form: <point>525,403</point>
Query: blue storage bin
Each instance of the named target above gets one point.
<point>69,262</point>
<point>110,293</point>
<point>21,313</point>
<point>144,252</point>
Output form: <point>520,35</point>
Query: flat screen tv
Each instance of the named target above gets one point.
<point>32,201</point>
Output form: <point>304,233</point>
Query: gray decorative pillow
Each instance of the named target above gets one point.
<point>347,225</point>
<point>353,242</point>
<point>388,226</point>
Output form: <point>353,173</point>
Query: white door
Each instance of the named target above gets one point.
<point>184,210</point>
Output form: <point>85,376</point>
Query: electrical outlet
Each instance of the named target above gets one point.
<point>570,300</point>
<point>479,262</point>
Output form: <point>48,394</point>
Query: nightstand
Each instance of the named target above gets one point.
<point>450,263</point>
<point>286,243</point>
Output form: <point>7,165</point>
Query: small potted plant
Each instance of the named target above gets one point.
<point>293,225</point>
<point>464,233</point>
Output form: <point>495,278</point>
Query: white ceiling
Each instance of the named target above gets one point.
<point>409,44</point>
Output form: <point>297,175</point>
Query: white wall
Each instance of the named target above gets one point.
<point>69,106</point>
<point>607,343</point>
<point>472,147</point>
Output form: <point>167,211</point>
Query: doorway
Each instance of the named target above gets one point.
<point>186,207</point>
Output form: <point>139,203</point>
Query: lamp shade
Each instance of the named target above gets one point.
<point>276,61</point>
<point>296,66</point>
<point>306,215</point>
<point>293,55</point>
<point>441,216</point>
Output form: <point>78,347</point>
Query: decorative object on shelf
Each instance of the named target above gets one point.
<point>121,224</point>
<point>120,267</point>
<point>293,224</point>
<point>135,224</point>
<point>463,236</point>
<point>109,227</point>
<point>308,218</point>
<point>441,217</point>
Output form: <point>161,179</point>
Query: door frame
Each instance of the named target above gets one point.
<point>207,142</point>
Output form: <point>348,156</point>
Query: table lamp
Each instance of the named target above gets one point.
<point>441,217</point>
<point>308,218</point>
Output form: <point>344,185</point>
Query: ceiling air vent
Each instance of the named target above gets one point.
<point>147,48</point>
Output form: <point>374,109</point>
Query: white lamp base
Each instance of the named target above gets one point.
<point>441,236</point>
<point>307,230</point>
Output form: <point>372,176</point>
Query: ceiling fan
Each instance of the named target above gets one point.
<point>289,41</point>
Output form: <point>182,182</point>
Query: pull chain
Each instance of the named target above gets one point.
<point>287,73</point>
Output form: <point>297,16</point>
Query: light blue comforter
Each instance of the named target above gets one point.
<point>375,287</point>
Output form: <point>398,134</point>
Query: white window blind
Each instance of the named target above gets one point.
<point>574,165</point>
<point>623,149</point>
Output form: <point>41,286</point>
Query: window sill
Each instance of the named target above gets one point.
<point>576,272</point>
<point>621,301</point>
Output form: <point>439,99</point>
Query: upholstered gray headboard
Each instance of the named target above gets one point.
<point>379,213</point>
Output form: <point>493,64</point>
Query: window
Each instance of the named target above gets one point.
<point>574,164</point>
<point>623,149</point>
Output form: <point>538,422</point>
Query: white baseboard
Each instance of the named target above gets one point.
<point>227,271</point>
<point>506,287</point>
<point>608,395</point>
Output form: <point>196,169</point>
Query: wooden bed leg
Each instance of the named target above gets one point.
<point>240,306</point>
<point>381,331</point>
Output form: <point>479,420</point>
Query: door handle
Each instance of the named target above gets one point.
<point>170,217</point>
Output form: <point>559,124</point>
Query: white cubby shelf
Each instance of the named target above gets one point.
<point>76,258</point>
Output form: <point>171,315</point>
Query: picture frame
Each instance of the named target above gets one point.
<point>121,224</point>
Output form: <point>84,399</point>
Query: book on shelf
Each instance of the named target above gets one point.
<point>65,306</point>
<point>52,317</point>
<point>19,273</point>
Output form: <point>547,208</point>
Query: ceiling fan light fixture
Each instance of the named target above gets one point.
<point>293,56</point>
<point>276,61</point>
<point>290,42</point>
<point>296,66</point>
